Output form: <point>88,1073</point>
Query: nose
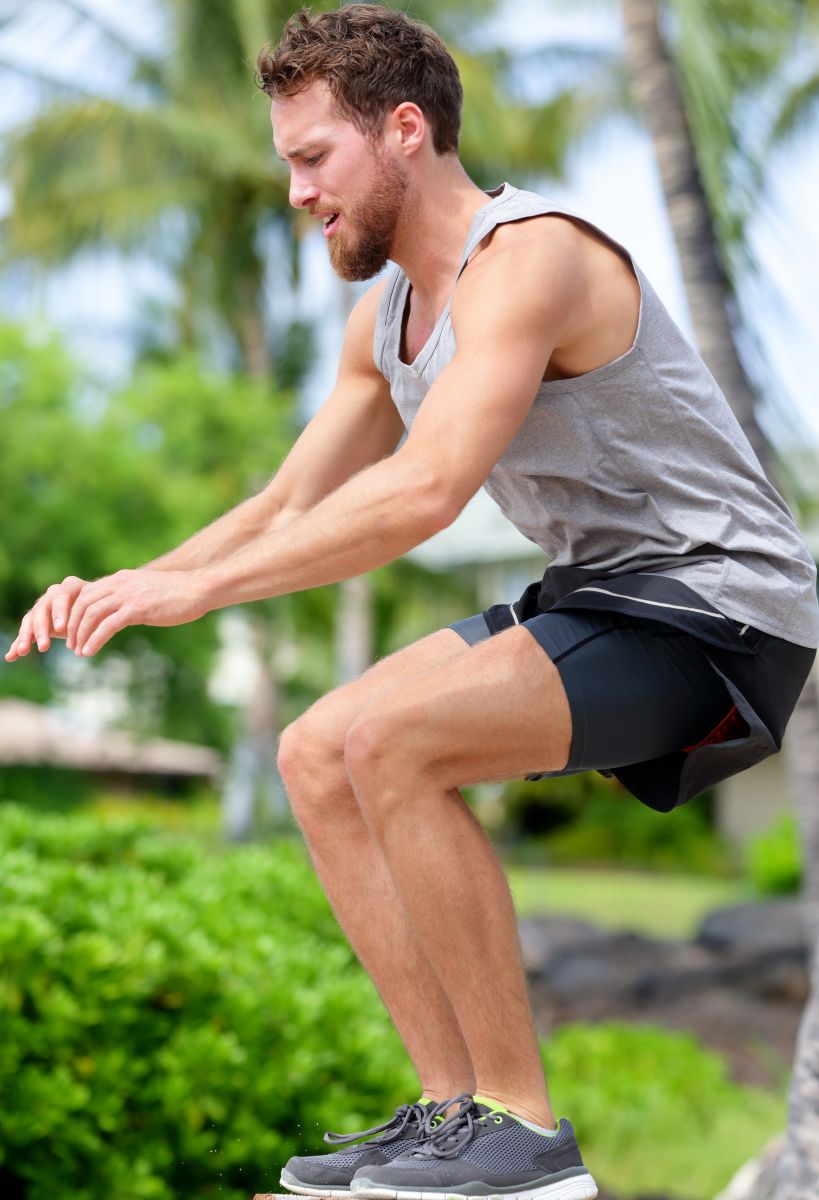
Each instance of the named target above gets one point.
<point>302,192</point>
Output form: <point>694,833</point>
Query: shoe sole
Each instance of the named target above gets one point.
<point>579,1187</point>
<point>306,1189</point>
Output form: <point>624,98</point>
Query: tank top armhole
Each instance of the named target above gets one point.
<point>382,321</point>
<point>520,205</point>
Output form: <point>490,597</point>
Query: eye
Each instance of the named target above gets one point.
<point>314,160</point>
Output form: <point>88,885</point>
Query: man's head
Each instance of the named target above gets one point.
<point>357,93</point>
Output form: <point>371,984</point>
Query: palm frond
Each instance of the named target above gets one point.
<point>111,36</point>
<point>99,169</point>
<point>256,25</point>
<point>798,111</point>
<point>726,51</point>
<point>50,85</point>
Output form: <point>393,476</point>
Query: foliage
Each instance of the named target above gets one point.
<point>44,788</point>
<point>178,1023</point>
<point>655,1113</point>
<point>586,818</point>
<point>774,859</point>
<point>179,161</point>
<point>86,492</point>
<point>731,57</point>
<point>174,1023</point>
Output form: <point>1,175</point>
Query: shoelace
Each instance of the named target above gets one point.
<point>447,1139</point>
<point>404,1114</point>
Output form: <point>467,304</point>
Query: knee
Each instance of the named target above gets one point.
<point>379,766</point>
<point>307,759</point>
<point>290,757</point>
<point>366,748</point>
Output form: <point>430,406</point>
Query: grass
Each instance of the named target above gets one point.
<point>658,904</point>
<point>655,1112</point>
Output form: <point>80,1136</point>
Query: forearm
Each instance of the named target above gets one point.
<point>224,536</point>
<point>370,520</point>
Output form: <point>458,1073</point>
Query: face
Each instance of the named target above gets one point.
<point>355,188</point>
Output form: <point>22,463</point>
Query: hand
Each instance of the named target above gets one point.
<point>139,597</point>
<point>101,608</point>
<point>48,618</point>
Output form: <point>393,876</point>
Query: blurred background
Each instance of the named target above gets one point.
<point>180,1010</point>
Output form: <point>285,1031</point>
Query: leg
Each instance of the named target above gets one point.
<point>504,717</point>
<point>354,873</point>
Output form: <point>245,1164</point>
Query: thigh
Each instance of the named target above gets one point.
<point>636,689</point>
<point>331,716</point>
<point>497,712</point>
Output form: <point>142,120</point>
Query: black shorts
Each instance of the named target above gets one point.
<point>666,713</point>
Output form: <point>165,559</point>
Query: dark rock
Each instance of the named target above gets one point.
<point>741,995</point>
<point>771,925</point>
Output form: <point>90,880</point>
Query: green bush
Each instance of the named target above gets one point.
<point>583,820</point>
<point>174,1023</point>
<point>773,859</point>
<point>655,1113</point>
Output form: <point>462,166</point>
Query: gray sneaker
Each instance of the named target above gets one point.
<point>481,1150</point>
<point>330,1174</point>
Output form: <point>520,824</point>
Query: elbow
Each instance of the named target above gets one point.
<point>432,504</point>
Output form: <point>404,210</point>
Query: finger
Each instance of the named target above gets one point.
<point>60,608</point>
<point>41,622</point>
<point>69,589</point>
<point>93,616</point>
<point>23,642</point>
<point>88,594</point>
<point>104,632</point>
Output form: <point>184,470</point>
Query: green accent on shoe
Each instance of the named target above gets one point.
<point>496,1106</point>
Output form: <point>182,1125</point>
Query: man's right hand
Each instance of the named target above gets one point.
<point>47,619</point>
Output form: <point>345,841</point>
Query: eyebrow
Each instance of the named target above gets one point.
<point>299,152</point>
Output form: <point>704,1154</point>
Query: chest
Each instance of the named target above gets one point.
<point>416,330</point>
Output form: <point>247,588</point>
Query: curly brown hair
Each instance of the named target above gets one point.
<point>372,59</point>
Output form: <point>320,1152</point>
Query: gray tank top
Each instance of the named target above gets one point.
<point>632,475</point>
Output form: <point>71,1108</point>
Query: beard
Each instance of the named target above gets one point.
<point>361,247</point>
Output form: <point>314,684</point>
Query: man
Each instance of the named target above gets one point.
<point>523,350</point>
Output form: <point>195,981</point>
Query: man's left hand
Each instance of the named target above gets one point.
<point>132,597</point>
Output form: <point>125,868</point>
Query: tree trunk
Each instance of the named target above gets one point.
<point>254,796</point>
<point>354,634</point>
<point>657,89</point>
<point>655,84</point>
<point>798,1176</point>
<point>252,337</point>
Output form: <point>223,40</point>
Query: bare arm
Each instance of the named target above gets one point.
<point>379,511</point>
<point>465,423</point>
<point>356,426</point>
<point>219,539</point>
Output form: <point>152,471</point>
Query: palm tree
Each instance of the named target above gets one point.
<point>686,172</point>
<point>178,162</point>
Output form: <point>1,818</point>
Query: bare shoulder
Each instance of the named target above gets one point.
<point>559,234</point>
<point>526,267</point>
<point>554,272</point>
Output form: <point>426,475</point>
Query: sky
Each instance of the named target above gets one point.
<point>611,180</point>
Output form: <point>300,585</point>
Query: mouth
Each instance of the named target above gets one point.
<point>331,222</point>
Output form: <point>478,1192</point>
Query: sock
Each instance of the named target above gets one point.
<point>495,1104</point>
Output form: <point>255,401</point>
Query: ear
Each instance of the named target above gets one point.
<point>408,126</point>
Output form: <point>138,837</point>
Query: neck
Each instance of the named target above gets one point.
<point>430,238</point>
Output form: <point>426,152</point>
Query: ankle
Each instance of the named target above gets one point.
<point>439,1094</point>
<point>536,1113</point>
